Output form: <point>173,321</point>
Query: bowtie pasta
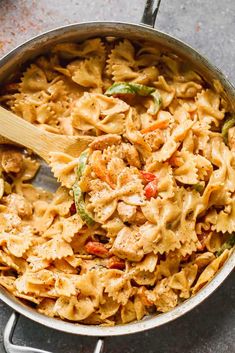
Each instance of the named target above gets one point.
<point>146,214</point>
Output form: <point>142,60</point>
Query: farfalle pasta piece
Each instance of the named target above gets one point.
<point>9,261</point>
<point>18,244</point>
<point>166,182</point>
<point>166,91</point>
<point>189,247</point>
<point>222,179</point>
<point>139,306</point>
<point>173,141</point>
<point>73,308</point>
<point>63,167</point>
<point>226,219</point>
<point>65,285</point>
<point>213,241</point>
<point>71,226</point>
<point>63,266</point>
<point>163,296</point>
<point>123,65</point>
<point>135,137</point>
<point>208,106</point>
<point>149,263</point>
<point>55,248</point>
<point>45,213</point>
<point>46,307</point>
<point>204,167</point>
<point>108,308</point>
<point>91,285</point>
<point>145,278</point>
<point>38,283</point>
<point>34,79</point>
<point>8,282</point>
<point>87,73</point>
<point>100,112</point>
<point>168,267</point>
<point>208,273</point>
<point>113,226</point>
<point>156,239</point>
<point>187,89</point>
<point>103,199</point>
<point>28,170</point>
<point>117,286</point>
<point>89,48</point>
<point>202,260</point>
<point>36,263</point>
<point>28,297</point>
<point>185,170</point>
<point>183,280</point>
<point>128,312</point>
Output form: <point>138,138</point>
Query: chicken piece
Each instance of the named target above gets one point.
<point>126,212</point>
<point>155,139</point>
<point>102,142</point>
<point>126,246</point>
<point>12,161</point>
<point>139,218</point>
<point>9,221</point>
<point>231,138</point>
<point>130,153</point>
<point>18,204</point>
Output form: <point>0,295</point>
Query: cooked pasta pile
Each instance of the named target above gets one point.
<point>146,214</point>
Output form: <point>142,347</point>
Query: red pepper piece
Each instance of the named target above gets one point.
<point>151,189</point>
<point>96,248</point>
<point>148,176</point>
<point>116,263</point>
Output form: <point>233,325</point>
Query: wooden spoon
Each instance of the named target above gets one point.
<point>39,141</point>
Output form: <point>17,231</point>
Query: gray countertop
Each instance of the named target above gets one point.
<point>207,25</point>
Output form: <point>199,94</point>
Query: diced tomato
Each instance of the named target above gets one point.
<point>96,248</point>
<point>148,176</point>
<point>73,209</point>
<point>116,263</point>
<point>151,189</point>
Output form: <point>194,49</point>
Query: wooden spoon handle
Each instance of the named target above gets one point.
<point>22,132</point>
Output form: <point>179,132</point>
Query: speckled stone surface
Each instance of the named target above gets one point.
<point>207,25</point>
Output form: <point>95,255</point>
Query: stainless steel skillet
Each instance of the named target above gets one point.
<point>78,32</point>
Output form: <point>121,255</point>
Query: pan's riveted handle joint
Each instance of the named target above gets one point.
<point>150,14</point>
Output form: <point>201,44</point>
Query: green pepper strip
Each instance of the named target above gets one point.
<point>135,88</point>
<point>77,192</point>
<point>228,123</point>
<point>198,187</point>
<point>227,245</point>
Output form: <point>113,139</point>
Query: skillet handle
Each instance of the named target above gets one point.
<point>12,348</point>
<point>150,15</point>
